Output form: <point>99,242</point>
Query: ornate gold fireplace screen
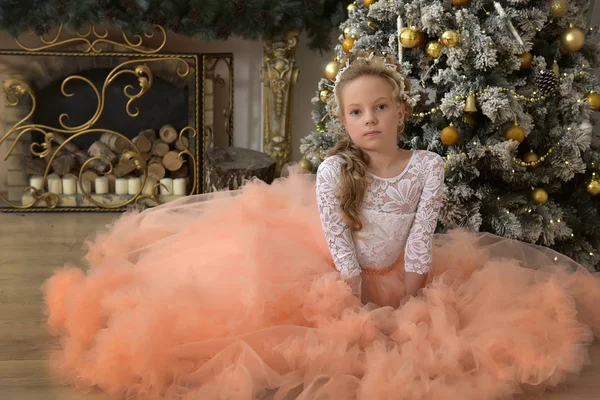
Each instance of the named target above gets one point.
<point>117,170</point>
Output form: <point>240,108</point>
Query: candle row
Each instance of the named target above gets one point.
<point>68,185</point>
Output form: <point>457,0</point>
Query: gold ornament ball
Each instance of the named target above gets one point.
<point>526,60</point>
<point>420,39</point>
<point>348,44</point>
<point>572,40</point>
<point>515,133</point>
<point>594,100</point>
<point>559,8</point>
<point>347,32</point>
<point>593,187</point>
<point>461,3</point>
<point>450,38</point>
<point>305,165</point>
<point>324,95</point>
<point>560,48</point>
<point>530,157</point>
<point>409,37</point>
<point>449,135</point>
<point>540,196</point>
<point>434,48</point>
<point>368,3</point>
<point>331,70</point>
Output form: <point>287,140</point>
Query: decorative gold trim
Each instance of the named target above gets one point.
<point>210,61</point>
<point>14,89</point>
<point>279,75</point>
<point>209,65</point>
<point>92,45</point>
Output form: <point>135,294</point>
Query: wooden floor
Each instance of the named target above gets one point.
<point>31,246</point>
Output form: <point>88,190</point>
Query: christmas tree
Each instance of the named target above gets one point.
<point>505,91</point>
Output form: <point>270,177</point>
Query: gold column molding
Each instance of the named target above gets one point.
<point>279,75</point>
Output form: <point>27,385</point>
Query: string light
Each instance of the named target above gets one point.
<point>425,114</point>
<point>573,75</point>
<point>522,163</point>
<point>531,99</point>
<point>449,156</point>
<point>536,162</point>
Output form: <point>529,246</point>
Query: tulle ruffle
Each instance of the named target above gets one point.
<point>234,296</point>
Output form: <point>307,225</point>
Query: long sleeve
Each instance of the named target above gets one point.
<point>337,231</point>
<point>418,251</point>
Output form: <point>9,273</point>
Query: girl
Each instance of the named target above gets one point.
<point>391,196</point>
<point>334,289</point>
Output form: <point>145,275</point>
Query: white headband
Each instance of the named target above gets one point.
<point>392,67</point>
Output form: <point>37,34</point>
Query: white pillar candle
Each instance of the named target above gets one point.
<point>166,186</point>
<point>87,186</point>
<point>101,185</point>
<point>69,185</point>
<point>134,185</point>
<point>149,186</point>
<point>36,181</point>
<point>55,185</point>
<point>121,186</point>
<point>49,178</point>
<point>179,187</point>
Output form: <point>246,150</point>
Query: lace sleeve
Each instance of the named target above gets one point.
<point>337,232</point>
<point>417,256</point>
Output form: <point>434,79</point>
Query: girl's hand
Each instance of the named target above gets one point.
<point>355,284</point>
<point>414,282</point>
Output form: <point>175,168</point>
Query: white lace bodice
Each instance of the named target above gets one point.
<point>398,213</point>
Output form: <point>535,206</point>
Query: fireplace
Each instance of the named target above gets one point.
<point>107,131</point>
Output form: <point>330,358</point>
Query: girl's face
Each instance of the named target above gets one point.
<point>370,113</point>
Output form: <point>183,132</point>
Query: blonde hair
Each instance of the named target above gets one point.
<point>352,186</point>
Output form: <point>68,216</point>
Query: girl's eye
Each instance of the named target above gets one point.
<point>354,112</point>
<point>382,106</point>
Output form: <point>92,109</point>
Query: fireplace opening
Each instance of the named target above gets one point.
<point>163,104</point>
<point>163,112</point>
<point>94,170</point>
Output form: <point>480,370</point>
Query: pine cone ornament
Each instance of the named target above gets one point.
<point>197,17</point>
<point>223,32</point>
<point>130,6</point>
<point>547,82</point>
<point>115,13</point>
<point>157,17</point>
<point>41,29</point>
<point>61,6</point>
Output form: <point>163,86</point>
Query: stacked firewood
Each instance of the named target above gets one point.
<point>159,149</point>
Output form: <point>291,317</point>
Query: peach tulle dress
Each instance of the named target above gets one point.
<point>241,295</point>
